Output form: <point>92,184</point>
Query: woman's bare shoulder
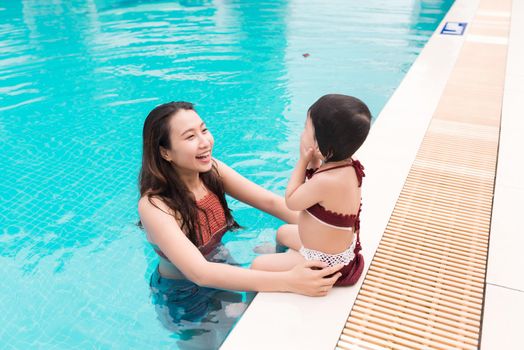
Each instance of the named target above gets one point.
<point>220,166</point>
<point>149,203</point>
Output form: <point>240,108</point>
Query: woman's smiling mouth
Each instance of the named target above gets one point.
<point>204,157</point>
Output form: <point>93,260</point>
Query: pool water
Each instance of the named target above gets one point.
<point>77,79</point>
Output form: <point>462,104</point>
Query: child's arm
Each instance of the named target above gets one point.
<point>300,195</point>
<point>299,173</point>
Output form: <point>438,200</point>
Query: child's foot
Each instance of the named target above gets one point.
<point>265,248</point>
<point>270,248</point>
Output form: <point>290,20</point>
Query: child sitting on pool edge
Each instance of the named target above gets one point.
<point>325,187</point>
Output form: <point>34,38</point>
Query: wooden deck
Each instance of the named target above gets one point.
<point>426,283</point>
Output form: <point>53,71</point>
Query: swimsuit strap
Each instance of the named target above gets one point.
<point>359,169</point>
<point>358,247</point>
<point>335,167</point>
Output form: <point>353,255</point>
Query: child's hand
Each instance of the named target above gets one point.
<point>306,153</point>
<point>306,149</point>
<point>309,152</point>
<point>317,158</point>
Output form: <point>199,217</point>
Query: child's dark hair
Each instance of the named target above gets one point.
<point>341,125</point>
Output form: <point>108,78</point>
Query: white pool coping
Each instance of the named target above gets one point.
<point>289,321</point>
<point>503,316</point>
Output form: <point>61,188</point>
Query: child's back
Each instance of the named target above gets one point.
<point>328,226</point>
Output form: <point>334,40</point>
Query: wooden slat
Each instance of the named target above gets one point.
<point>425,286</point>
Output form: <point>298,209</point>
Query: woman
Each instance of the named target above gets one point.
<point>185,214</point>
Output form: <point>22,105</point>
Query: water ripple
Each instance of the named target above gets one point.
<point>77,79</point>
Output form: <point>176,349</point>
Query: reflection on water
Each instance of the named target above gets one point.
<point>77,79</point>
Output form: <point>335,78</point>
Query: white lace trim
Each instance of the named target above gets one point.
<point>331,259</point>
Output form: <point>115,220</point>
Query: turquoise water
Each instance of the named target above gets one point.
<point>77,79</point>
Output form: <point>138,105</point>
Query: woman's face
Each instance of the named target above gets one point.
<point>191,142</point>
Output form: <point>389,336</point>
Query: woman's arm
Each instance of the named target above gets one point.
<point>250,193</point>
<point>165,232</point>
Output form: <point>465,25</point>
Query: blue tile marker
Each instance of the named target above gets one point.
<point>454,28</point>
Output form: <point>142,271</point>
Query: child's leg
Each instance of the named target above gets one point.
<point>288,235</point>
<point>277,262</point>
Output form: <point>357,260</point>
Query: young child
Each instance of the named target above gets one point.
<point>325,187</point>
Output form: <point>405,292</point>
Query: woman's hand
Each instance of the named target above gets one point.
<point>303,279</point>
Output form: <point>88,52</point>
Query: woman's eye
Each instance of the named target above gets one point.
<point>190,137</point>
<point>204,130</point>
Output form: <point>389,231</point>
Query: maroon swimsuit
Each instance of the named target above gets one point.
<point>213,224</point>
<point>352,271</point>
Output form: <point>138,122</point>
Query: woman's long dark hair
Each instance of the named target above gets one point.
<point>158,178</point>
